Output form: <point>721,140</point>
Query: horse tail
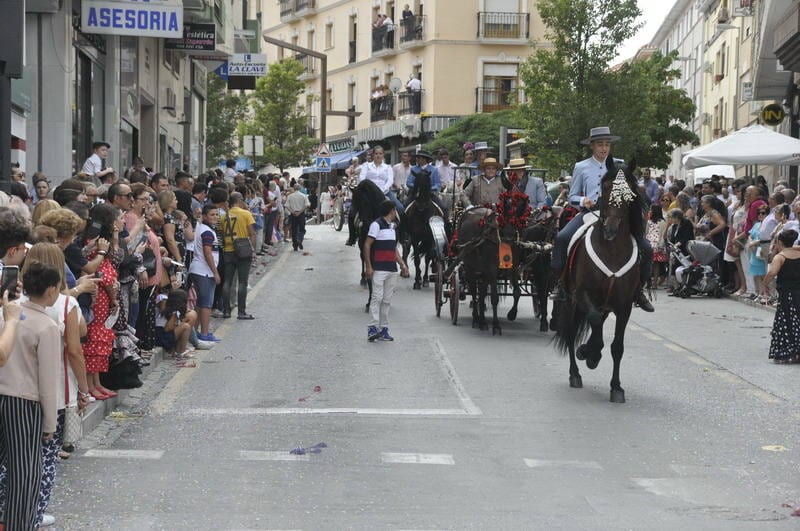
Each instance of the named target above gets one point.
<point>572,327</point>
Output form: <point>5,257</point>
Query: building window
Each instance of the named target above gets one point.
<point>172,60</point>
<point>500,88</point>
<point>310,40</point>
<point>329,36</point>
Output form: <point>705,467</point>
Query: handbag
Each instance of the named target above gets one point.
<point>73,422</point>
<point>242,247</point>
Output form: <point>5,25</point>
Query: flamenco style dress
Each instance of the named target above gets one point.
<point>785,344</point>
<point>100,343</point>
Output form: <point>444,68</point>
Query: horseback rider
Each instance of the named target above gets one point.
<point>584,193</point>
<point>424,166</point>
<point>381,174</point>
<point>484,189</point>
<point>534,187</point>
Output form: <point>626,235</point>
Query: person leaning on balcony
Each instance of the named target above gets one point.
<point>414,86</point>
<point>407,13</point>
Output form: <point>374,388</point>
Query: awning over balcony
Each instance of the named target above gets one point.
<point>768,82</point>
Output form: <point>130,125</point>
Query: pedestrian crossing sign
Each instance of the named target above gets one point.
<point>323,165</point>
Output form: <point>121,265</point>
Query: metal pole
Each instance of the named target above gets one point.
<point>5,130</point>
<point>323,125</point>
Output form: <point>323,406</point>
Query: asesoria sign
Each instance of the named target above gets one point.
<point>135,18</point>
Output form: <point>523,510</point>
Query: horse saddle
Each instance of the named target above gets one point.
<point>436,224</point>
<point>588,220</point>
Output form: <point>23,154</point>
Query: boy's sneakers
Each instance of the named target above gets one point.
<point>204,345</point>
<point>384,335</point>
<point>373,333</point>
<point>209,337</point>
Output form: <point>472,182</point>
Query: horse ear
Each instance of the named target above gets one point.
<point>610,163</point>
<point>632,165</point>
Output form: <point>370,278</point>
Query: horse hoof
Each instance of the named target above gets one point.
<point>475,325</point>
<point>512,315</point>
<point>416,285</point>
<point>618,396</point>
<point>593,362</point>
<point>543,326</point>
<point>425,284</point>
<point>497,331</point>
<point>484,326</point>
<point>553,325</point>
<point>576,382</point>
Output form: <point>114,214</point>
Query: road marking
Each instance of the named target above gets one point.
<point>250,411</point>
<point>674,348</point>
<point>165,400</point>
<point>650,335</point>
<point>444,362</point>
<point>764,396</point>
<point>284,455</point>
<point>566,463</point>
<point>125,454</point>
<point>417,459</point>
<point>698,360</point>
<point>635,328</point>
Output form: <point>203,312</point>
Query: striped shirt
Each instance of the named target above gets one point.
<point>384,248</point>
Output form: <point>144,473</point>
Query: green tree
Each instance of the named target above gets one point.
<point>570,88</point>
<point>483,127</point>
<point>279,118</point>
<point>225,110</point>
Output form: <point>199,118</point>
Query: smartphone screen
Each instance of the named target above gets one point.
<point>8,281</point>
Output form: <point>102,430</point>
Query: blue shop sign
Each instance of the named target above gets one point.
<point>138,19</point>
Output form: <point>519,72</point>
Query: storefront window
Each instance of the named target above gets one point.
<point>87,107</point>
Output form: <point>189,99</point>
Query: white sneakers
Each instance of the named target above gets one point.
<point>48,520</point>
<point>204,345</point>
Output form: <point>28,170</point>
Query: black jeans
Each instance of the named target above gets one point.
<point>269,226</point>
<point>298,223</point>
<point>240,267</point>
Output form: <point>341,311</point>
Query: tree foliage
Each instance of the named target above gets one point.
<point>224,112</point>
<point>279,118</point>
<point>570,88</point>
<point>484,127</point>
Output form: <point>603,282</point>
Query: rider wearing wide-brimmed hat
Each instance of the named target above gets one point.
<point>486,187</point>
<point>534,186</point>
<point>424,164</point>
<point>584,192</point>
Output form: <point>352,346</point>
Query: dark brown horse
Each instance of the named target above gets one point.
<point>602,276</point>
<point>417,215</point>
<point>478,248</point>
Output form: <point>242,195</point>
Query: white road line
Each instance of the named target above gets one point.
<point>674,348</point>
<point>635,328</point>
<point>284,455</point>
<point>125,454</point>
<point>441,356</point>
<point>249,411</point>
<point>566,463</point>
<point>650,335</point>
<point>418,459</point>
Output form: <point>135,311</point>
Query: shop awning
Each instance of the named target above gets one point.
<point>339,161</point>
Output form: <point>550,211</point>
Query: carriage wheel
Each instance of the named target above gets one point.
<point>438,291</point>
<point>338,214</point>
<point>454,294</point>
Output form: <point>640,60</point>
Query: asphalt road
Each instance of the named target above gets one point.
<point>447,427</point>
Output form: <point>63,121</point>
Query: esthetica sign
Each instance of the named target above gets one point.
<point>132,17</point>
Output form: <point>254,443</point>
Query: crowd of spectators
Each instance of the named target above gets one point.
<point>109,270</point>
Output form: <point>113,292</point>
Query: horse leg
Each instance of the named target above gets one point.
<point>512,313</point>
<point>482,305</point>
<point>426,277</point>
<point>417,279</point>
<point>473,288</point>
<point>575,380</point>
<point>617,348</point>
<point>363,272</point>
<point>593,349</point>
<point>495,301</point>
<point>540,280</point>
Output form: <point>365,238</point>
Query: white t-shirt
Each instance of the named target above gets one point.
<point>199,266</point>
<point>381,175</point>
<point>160,319</point>
<point>401,173</point>
<point>93,165</point>
<point>414,85</point>
<point>228,175</point>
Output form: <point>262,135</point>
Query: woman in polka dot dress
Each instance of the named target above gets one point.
<point>100,342</point>
<point>785,344</point>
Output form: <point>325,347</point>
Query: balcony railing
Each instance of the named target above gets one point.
<point>351,120</point>
<point>309,64</point>
<point>490,99</point>
<point>412,29</point>
<point>383,38</point>
<point>409,102</point>
<point>503,25</point>
<point>352,57</point>
<point>311,126</point>
<point>382,108</point>
<point>291,8</point>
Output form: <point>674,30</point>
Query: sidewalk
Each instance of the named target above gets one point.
<point>100,410</point>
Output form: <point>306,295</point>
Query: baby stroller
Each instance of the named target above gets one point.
<point>695,275</point>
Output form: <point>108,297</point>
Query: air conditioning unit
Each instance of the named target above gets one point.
<point>723,16</point>
<point>708,67</point>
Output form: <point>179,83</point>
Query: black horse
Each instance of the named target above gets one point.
<point>418,213</point>
<point>367,197</point>
<point>536,243</point>
<point>602,276</point>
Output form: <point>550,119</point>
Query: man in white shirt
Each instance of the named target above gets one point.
<point>230,173</point>
<point>414,86</point>
<point>93,167</point>
<point>381,174</point>
<point>447,170</point>
<point>401,171</point>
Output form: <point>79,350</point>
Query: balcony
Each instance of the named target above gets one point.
<point>409,103</point>
<point>309,65</point>
<point>382,108</point>
<point>351,120</point>
<point>490,100</point>
<point>311,126</point>
<point>412,31</point>
<point>514,26</point>
<point>294,9</point>
<point>383,39</point>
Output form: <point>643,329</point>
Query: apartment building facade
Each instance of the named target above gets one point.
<point>465,53</point>
<point>132,91</point>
